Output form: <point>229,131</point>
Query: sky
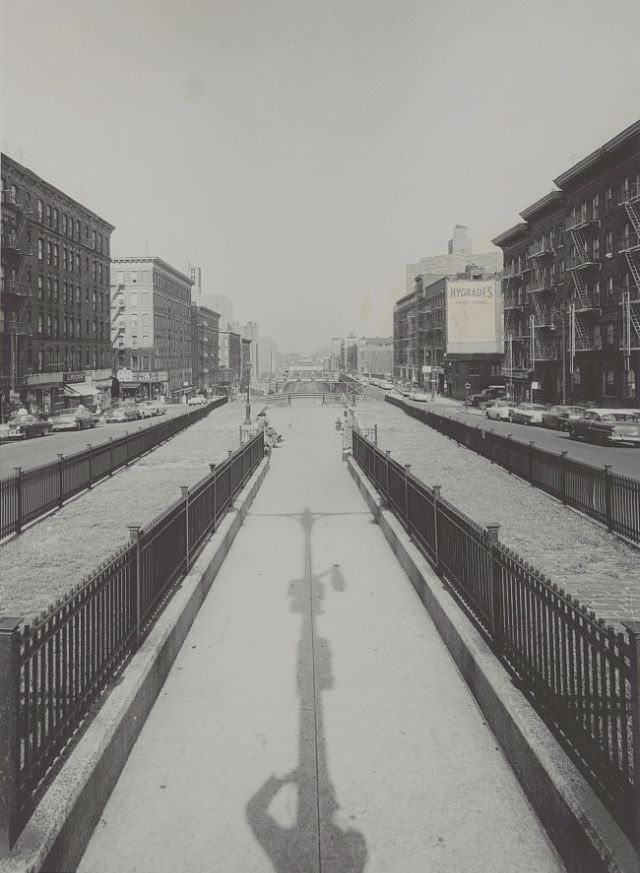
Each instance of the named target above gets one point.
<point>302,152</point>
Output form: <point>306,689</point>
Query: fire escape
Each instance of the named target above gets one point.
<point>15,290</point>
<point>583,307</point>
<point>117,323</point>
<point>543,343</point>
<point>631,299</point>
<point>516,325</point>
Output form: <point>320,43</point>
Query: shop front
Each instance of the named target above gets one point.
<point>142,384</point>
<point>41,393</point>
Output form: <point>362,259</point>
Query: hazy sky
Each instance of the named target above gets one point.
<point>303,151</point>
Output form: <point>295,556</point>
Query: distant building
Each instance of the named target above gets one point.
<point>246,367</point>
<point>375,356</point>
<point>204,347</point>
<point>448,334</point>
<point>151,326</point>
<point>459,256</point>
<point>229,360</point>
<point>54,306</point>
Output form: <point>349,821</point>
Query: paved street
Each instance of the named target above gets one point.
<point>44,450</point>
<point>623,459</point>
<point>313,719</point>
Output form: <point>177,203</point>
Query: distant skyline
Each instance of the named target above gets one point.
<point>302,153</point>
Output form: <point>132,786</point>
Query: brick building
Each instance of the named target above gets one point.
<point>230,360</point>
<point>204,347</point>
<point>571,282</point>
<point>151,327</point>
<point>54,309</point>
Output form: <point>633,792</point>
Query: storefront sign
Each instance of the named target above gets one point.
<point>70,378</point>
<point>125,375</point>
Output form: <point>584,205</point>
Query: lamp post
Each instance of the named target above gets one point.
<point>554,314</point>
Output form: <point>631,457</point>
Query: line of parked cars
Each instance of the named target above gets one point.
<point>24,425</point>
<point>600,425</point>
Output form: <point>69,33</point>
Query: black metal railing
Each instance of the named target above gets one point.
<point>580,675</point>
<point>608,498</point>
<point>53,670</point>
<point>29,494</point>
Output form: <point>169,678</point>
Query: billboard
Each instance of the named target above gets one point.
<point>474,316</point>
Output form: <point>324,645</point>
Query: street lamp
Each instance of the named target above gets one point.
<point>554,314</point>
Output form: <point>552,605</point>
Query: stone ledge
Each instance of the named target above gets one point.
<point>585,834</point>
<point>57,833</point>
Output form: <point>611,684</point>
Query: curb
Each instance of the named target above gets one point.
<point>584,833</point>
<point>56,835</point>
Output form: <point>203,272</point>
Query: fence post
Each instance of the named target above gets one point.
<point>184,490</point>
<point>111,456</point>
<point>510,438</point>
<point>496,586</point>
<point>531,446</point>
<point>126,445</point>
<point>214,482</point>
<point>61,478</point>
<point>407,471</point>
<point>386,484</point>
<point>607,495</point>
<point>134,537</point>
<point>90,464</point>
<point>563,477</point>
<point>436,489</point>
<point>19,509</point>
<point>9,757</point>
<point>375,434</point>
<point>633,630</point>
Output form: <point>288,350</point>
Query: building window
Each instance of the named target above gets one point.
<point>78,264</point>
<point>40,207</point>
<point>49,324</point>
<point>133,276</point>
<point>608,199</point>
<point>595,207</point>
<point>56,255</point>
<point>93,239</point>
<point>48,215</point>
<point>610,333</point>
<point>56,289</point>
<point>64,224</point>
<point>40,287</point>
<point>608,381</point>
<point>608,242</point>
<point>40,249</point>
<point>55,218</point>
<point>40,326</point>
<point>78,231</point>
<point>40,360</point>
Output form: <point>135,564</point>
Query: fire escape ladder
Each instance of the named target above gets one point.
<point>633,215</point>
<point>634,267</point>
<point>580,244</point>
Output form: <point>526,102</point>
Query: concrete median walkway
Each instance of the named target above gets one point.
<point>313,721</point>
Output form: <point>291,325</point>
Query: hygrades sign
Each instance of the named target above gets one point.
<point>474,316</point>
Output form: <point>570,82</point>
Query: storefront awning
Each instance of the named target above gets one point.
<point>80,391</point>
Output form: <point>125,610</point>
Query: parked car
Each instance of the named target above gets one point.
<point>493,392</point>
<point>418,395</point>
<point>121,413</point>
<point>149,408</point>
<point>197,400</point>
<point>73,419</point>
<point>500,410</point>
<point>527,413</point>
<point>606,426</point>
<point>558,417</point>
<point>24,426</point>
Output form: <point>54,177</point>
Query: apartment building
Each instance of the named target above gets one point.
<point>151,327</point>
<point>204,347</point>
<point>54,304</point>
<point>571,282</point>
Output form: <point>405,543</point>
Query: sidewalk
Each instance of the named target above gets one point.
<point>314,721</point>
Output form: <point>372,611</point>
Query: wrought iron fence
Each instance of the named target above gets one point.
<point>608,498</point>
<point>53,670</point>
<point>580,675</point>
<point>29,494</point>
